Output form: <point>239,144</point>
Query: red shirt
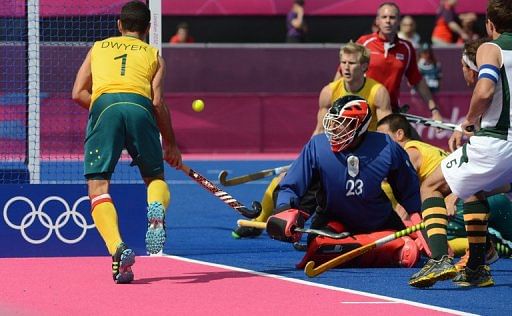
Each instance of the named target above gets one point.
<point>175,39</point>
<point>388,67</point>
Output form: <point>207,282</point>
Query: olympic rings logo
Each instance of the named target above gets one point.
<point>47,221</point>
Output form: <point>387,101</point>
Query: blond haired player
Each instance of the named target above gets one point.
<point>120,82</point>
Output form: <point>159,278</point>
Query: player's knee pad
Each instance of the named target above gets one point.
<point>391,254</point>
<point>409,253</point>
<point>98,199</point>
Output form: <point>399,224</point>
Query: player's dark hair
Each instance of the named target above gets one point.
<point>182,25</point>
<point>299,2</point>
<point>135,17</point>
<point>395,122</point>
<point>500,14</point>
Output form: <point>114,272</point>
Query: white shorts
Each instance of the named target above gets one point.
<point>482,164</point>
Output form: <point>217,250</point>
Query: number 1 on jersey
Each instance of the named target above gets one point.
<point>123,63</point>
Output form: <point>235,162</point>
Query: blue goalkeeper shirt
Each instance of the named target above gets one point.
<point>351,180</point>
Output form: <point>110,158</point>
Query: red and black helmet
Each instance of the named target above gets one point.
<point>347,119</point>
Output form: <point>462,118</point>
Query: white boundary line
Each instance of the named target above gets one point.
<point>330,287</point>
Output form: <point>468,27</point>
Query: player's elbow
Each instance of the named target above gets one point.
<point>75,96</point>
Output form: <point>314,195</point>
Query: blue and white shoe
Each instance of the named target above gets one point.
<point>122,262</point>
<point>155,236</point>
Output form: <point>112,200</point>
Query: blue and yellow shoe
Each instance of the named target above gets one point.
<point>122,262</point>
<point>155,236</point>
<point>433,271</point>
<point>480,277</point>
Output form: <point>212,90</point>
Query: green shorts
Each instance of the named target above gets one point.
<point>118,121</point>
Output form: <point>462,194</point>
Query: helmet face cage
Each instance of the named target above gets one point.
<point>339,130</point>
<point>345,122</point>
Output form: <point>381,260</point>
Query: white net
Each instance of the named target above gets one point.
<point>42,45</point>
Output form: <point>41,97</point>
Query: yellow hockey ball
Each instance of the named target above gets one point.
<point>198,105</point>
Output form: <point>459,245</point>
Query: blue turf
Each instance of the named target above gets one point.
<point>199,227</point>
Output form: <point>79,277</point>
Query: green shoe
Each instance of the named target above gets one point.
<point>480,277</point>
<point>122,262</point>
<point>246,232</point>
<point>433,271</point>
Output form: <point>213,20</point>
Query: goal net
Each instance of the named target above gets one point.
<point>42,45</point>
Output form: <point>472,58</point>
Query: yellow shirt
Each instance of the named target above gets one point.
<point>122,64</point>
<point>368,92</point>
<point>431,157</point>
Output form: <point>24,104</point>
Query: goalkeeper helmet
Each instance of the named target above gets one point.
<point>347,119</point>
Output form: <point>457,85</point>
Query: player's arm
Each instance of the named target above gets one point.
<point>163,118</point>
<point>382,103</point>
<point>416,80</point>
<point>324,103</point>
<point>296,181</point>
<point>404,180</point>
<point>82,88</point>
<point>415,157</point>
<point>488,58</point>
<point>426,95</point>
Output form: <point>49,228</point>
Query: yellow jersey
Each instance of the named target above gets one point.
<point>122,64</point>
<point>431,157</point>
<point>368,92</point>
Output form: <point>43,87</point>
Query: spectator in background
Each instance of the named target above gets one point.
<point>393,58</point>
<point>448,28</point>
<point>295,25</point>
<point>429,67</point>
<point>182,35</point>
<point>408,31</point>
<point>467,21</point>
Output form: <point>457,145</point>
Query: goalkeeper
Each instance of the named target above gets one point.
<point>120,83</point>
<point>350,165</point>
<point>354,60</point>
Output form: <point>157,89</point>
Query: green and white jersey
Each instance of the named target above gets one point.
<point>496,121</point>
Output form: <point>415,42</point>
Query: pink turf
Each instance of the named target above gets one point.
<point>169,286</point>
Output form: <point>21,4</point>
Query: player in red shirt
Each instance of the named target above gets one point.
<point>392,58</point>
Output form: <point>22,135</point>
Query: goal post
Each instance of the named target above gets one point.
<point>42,45</point>
<point>155,31</point>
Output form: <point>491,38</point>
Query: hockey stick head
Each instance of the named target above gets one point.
<point>310,269</point>
<point>222,177</point>
<point>255,212</point>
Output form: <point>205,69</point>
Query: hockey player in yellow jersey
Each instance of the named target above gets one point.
<point>120,82</point>
<point>354,61</point>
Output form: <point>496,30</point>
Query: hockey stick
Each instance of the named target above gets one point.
<point>311,271</point>
<point>319,232</point>
<point>429,122</point>
<point>225,197</point>
<point>251,176</point>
